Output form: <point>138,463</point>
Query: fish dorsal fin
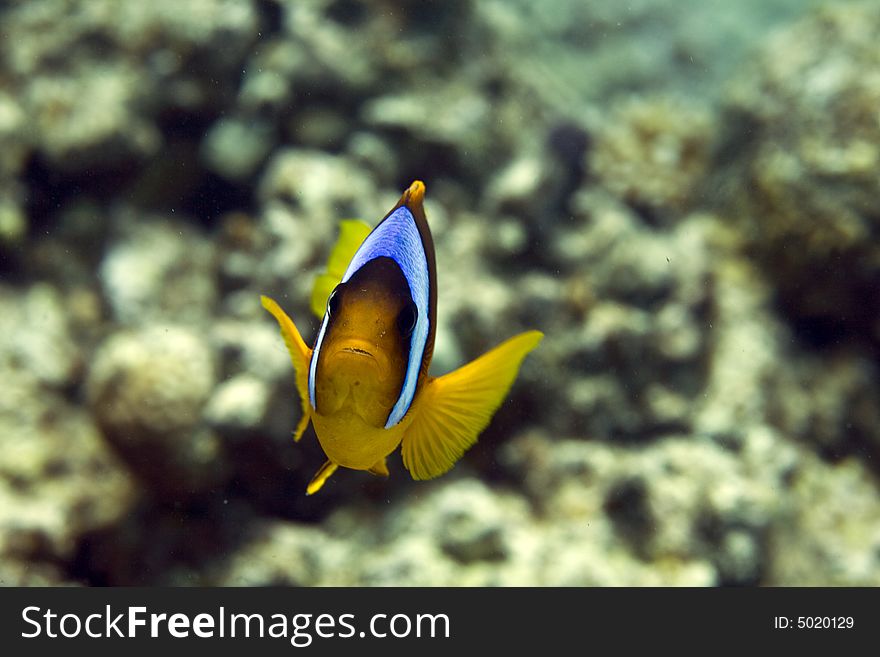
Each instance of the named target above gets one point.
<point>300,354</point>
<point>352,233</point>
<point>453,409</point>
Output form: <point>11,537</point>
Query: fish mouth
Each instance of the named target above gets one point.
<point>360,348</point>
<point>361,353</point>
<point>355,350</point>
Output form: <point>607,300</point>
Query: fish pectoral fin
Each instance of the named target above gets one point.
<point>352,233</point>
<point>453,409</point>
<point>380,468</point>
<point>322,475</point>
<point>300,354</point>
<point>301,426</point>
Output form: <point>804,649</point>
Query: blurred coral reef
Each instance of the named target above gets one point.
<point>684,200</point>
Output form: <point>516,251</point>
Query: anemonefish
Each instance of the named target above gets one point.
<point>365,384</point>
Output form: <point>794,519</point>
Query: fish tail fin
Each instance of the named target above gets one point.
<point>300,354</point>
<point>321,476</point>
<point>453,409</point>
<point>380,468</point>
<point>352,233</point>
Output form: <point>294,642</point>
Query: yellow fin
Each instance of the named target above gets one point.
<point>322,475</point>
<point>453,409</point>
<point>379,468</point>
<point>300,354</point>
<point>352,233</point>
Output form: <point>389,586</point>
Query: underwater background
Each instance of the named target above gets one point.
<point>682,195</point>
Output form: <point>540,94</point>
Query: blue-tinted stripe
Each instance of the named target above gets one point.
<point>313,366</point>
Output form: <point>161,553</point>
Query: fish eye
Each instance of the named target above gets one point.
<point>406,319</point>
<point>333,301</point>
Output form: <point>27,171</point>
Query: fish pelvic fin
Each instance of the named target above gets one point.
<point>453,409</point>
<point>380,468</point>
<point>321,476</point>
<point>352,233</point>
<point>300,354</point>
